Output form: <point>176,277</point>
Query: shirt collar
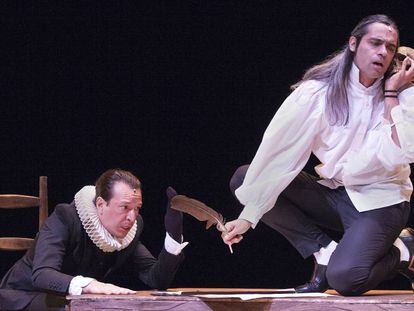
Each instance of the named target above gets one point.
<point>354,81</point>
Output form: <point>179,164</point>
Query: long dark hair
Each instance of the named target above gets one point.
<point>336,68</point>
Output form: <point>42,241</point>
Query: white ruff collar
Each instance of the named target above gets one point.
<point>96,231</point>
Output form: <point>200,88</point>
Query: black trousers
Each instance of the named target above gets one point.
<point>365,255</point>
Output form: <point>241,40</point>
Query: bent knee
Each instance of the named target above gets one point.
<point>346,281</point>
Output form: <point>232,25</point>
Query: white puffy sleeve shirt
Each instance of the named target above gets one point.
<point>284,151</point>
<point>360,155</point>
<point>403,118</point>
<point>380,142</point>
<point>379,175</point>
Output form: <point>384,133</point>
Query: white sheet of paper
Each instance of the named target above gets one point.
<point>248,296</point>
<point>284,293</point>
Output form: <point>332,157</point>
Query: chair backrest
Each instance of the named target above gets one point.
<point>12,201</point>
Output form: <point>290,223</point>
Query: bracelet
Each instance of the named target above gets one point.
<point>393,96</point>
<point>391,91</point>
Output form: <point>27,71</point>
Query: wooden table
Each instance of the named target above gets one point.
<point>145,300</point>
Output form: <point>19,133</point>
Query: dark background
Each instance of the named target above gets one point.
<point>180,93</point>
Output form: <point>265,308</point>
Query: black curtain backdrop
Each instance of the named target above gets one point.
<point>179,92</point>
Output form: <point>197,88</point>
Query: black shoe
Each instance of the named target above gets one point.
<point>406,268</point>
<point>318,282</point>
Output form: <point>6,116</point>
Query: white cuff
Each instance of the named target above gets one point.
<point>172,246</point>
<point>77,283</point>
<point>251,214</point>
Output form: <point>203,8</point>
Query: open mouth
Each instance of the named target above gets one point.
<point>378,64</point>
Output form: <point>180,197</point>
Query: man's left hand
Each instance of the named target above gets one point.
<point>173,219</point>
<point>402,77</point>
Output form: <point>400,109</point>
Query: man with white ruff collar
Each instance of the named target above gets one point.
<point>82,244</point>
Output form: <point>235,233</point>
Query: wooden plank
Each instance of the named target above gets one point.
<point>43,200</point>
<point>371,301</point>
<point>15,244</point>
<point>18,201</point>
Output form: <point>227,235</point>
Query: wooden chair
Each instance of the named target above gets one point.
<point>12,201</point>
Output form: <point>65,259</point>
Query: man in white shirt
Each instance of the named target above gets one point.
<point>355,113</point>
<point>83,245</point>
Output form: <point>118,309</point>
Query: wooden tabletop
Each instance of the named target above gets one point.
<point>153,300</point>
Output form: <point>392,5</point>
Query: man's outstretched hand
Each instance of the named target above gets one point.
<point>96,287</point>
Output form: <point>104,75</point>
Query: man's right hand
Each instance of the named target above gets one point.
<point>96,287</point>
<point>234,231</point>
